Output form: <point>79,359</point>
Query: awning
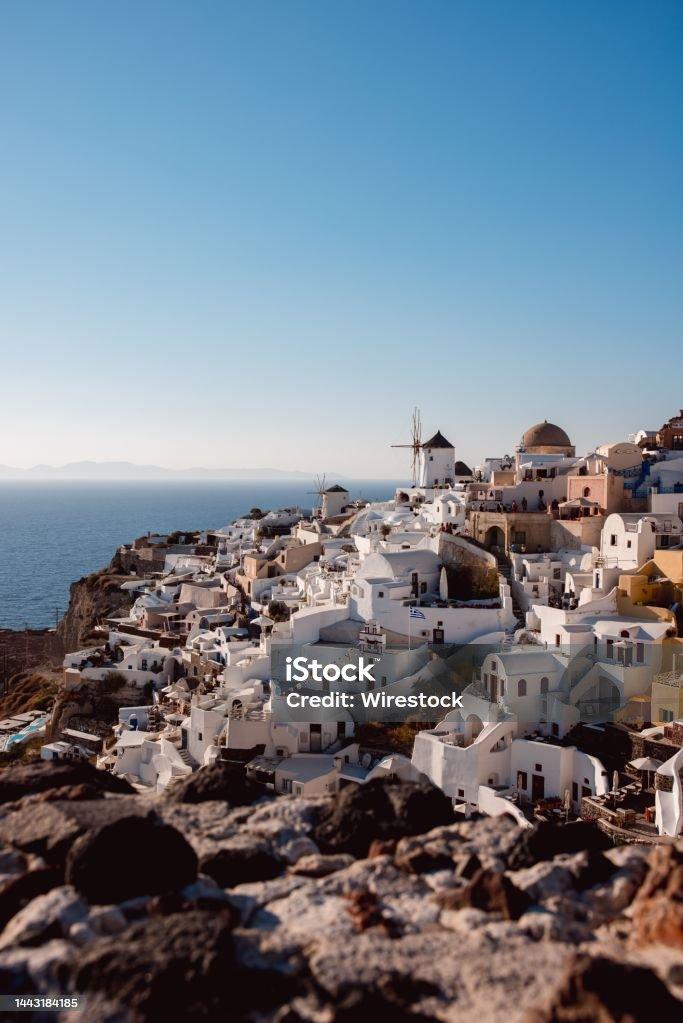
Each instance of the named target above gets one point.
<point>579,502</point>
<point>646,764</point>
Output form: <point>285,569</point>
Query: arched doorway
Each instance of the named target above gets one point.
<point>600,701</point>
<point>495,538</point>
<point>473,726</point>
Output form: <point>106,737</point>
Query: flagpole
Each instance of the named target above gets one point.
<point>409,620</point>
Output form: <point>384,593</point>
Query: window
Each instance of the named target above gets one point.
<point>544,686</point>
<point>640,652</point>
<point>586,491</point>
<point>143,664</point>
<point>521,779</point>
<point>610,649</point>
<point>555,728</point>
<point>538,768</point>
<point>199,736</point>
<point>575,791</point>
<point>520,537</point>
<point>380,593</point>
<point>461,793</point>
<point>521,687</point>
<point>558,639</point>
<point>628,544</point>
<point>667,715</point>
<point>613,540</point>
<point>286,784</point>
<point>557,573</point>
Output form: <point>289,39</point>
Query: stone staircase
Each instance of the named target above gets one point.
<point>505,569</point>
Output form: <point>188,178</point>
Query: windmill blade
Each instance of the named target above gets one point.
<point>417,440</point>
<point>319,490</point>
<point>417,427</point>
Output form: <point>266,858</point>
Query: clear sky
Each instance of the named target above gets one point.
<point>259,233</point>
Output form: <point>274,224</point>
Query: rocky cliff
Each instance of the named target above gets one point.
<point>34,657</point>
<point>216,902</point>
<point>92,599</point>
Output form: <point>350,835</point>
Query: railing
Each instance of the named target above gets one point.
<point>246,714</point>
<point>670,678</point>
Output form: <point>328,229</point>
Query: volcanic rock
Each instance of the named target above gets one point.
<point>129,857</point>
<point>381,810</point>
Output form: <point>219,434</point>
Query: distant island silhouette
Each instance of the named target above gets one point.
<point>131,471</point>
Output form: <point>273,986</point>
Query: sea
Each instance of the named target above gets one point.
<point>54,532</point>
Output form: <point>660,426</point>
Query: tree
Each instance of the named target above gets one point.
<point>255,513</point>
<point>385,529</point>
<point>278,611</point>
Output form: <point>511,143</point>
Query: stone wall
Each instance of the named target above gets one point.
<point>467,563</point>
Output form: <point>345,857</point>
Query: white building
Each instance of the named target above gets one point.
<point>486,767</point>
<point>436,462</point>
<point>630,539</point>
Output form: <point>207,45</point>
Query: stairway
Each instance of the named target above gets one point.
<point>186,758</point>
<point>505,569</point>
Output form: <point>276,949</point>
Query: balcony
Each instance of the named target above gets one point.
<point>670,678</point>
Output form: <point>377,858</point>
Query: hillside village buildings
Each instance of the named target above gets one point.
<point>544,587</point>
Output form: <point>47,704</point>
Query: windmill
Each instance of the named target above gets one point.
<point>319,484</point>
<point>416,443</point>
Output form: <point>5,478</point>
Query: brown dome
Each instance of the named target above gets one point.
<point>545,435</point>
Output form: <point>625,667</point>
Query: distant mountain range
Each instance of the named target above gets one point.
<point>131,471</point>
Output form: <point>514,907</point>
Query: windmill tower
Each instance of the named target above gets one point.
<point>319,484</point>
<point>416,443</point>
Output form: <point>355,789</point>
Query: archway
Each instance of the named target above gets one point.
<point>600,701</point>
<point>473,726</point>
<point>495,538</point>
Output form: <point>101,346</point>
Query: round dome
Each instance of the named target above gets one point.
<point>545,435</point>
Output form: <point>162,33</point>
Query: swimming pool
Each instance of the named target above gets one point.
<point>25,733</point>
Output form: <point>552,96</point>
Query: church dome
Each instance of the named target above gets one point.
<point>545,437</point>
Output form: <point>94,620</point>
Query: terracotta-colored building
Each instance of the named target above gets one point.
<point>670,436</point>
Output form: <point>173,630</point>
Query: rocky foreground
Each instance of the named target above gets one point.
<point>217,903</point>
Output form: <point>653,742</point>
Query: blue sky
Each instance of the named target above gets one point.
<point>259,233</point>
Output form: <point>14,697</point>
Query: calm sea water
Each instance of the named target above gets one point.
<point>52,533</point>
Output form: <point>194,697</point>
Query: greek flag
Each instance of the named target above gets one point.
<point>416,613</point>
